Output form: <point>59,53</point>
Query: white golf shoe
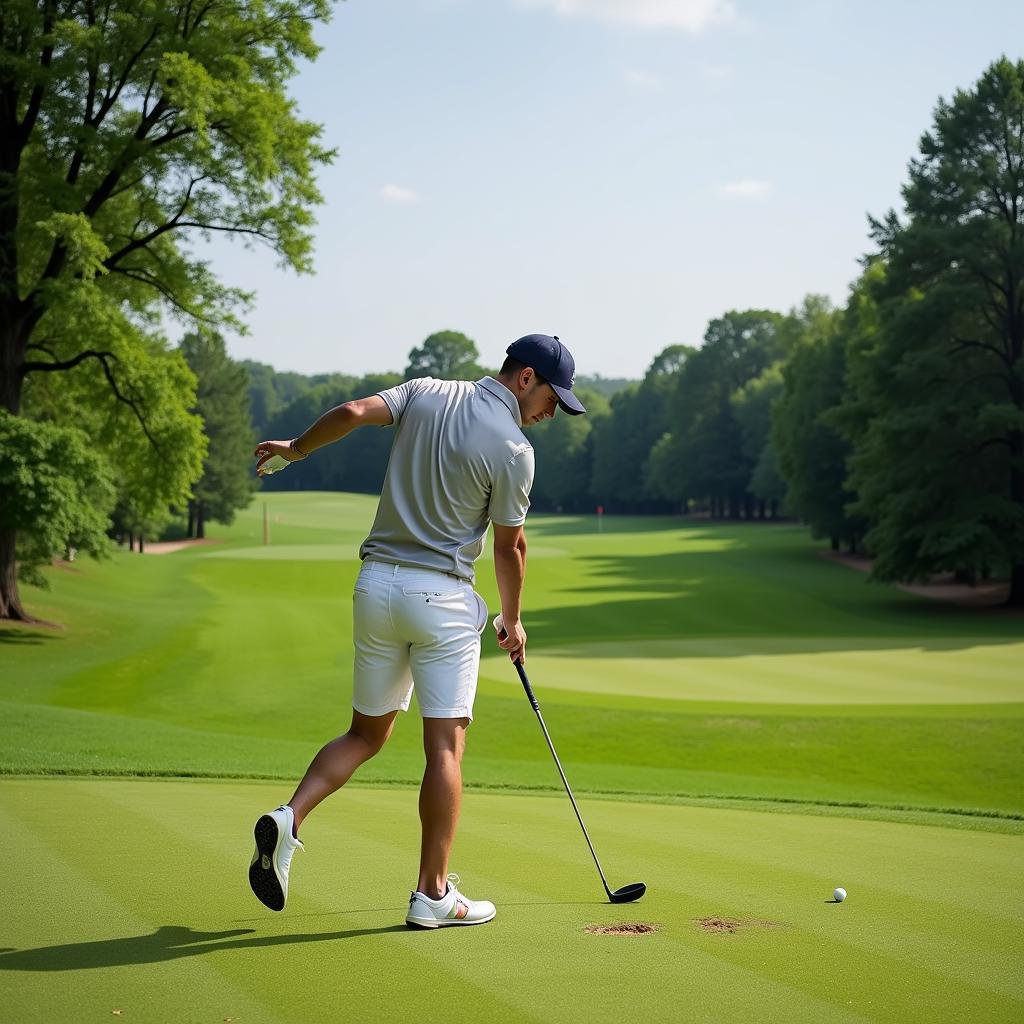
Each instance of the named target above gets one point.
<point>275,844</point>
<point>451,908</point>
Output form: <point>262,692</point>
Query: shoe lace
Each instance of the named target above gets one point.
<point>454,881</point>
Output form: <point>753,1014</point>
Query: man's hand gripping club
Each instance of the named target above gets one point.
<point>514,642</point>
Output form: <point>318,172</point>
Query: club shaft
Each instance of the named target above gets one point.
<point>558,764</point>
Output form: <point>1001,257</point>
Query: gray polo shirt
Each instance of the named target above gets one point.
<point>459,462</point>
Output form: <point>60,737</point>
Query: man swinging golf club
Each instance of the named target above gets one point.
<point>459,462</point>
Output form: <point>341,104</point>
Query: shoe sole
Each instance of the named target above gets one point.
<point>264,881</point>
<point>427,926</point>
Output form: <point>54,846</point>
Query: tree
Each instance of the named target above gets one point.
<point>565,456</point>
<point>939,466</point>
<point>446,355</point>
<point>704,449</point>
<point>752,409</point>
<point>126,128</point>
<point>812,454</point>
<point>69,494</point>
<point>623,441</point>
<point>222,400</point>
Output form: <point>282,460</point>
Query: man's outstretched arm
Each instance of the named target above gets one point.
<point>332,426</point>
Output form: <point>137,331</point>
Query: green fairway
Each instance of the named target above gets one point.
<point>130,896</point>
<point>672,661</point>
<point>746,724</point>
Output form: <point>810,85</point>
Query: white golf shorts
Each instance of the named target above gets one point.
<point>415,628</point>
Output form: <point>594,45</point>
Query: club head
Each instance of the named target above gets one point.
<point>628,893</point>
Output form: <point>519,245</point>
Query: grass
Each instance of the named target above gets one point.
<point>710,661</point>
<point>112,922</point>
<point>746,725</point>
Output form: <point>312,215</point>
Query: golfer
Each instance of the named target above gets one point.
<point>459,462</point>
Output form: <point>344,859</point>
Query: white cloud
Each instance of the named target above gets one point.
<point>687,15</point>
<point>748,189</point>
<point>398,194</point>
<point>641,81</point>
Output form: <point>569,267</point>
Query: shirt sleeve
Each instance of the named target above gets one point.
<point>510,489</point>
<point>398,397</point>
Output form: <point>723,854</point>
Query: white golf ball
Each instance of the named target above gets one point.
<point>839,895</point>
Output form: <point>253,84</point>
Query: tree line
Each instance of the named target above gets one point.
<point>894,424</point>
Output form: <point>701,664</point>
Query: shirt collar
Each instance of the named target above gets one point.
<point>497,388</point>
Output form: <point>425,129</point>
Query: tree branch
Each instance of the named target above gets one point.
<point>959,344</point>
<point>140,243</point>
<point>111,97</point>
<point>35,100</point>
<point>143,276</point>
<point>58,254</point>
<point>67,364</point>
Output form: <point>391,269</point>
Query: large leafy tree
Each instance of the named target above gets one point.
<point>126,128</point>
<point>939,464</point>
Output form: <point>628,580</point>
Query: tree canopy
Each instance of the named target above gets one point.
<point>128,129</point>
<point>938,466</point>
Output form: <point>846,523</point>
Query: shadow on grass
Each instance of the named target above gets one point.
<point>171,942</point>
<point>28,636</point>
<point>776,599</point>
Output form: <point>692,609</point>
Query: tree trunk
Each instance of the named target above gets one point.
<point>141,549</point>
<point>200,521</point>
<point>191,519</point>
<point>12,353</point>
<point>835,542</point>
<point>1016,597</point>
<point>10,602</point>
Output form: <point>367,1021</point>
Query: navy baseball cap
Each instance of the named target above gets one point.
<point>548,357</point>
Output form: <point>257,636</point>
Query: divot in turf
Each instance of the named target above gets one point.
<point>625,928</point>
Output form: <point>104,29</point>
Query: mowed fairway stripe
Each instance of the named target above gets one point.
<point>168,867</point>
<point>80,941</point>
<point>930,930</point>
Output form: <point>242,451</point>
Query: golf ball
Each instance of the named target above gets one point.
<point>839,895</point>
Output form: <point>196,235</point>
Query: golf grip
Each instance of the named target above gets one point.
<point>526,686</point>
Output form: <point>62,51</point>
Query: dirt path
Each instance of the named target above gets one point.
<point>167,547</point>
<point>942,588</point>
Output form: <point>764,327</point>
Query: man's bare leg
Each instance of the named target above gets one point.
<point>444,740</point>
<point>334,765</point>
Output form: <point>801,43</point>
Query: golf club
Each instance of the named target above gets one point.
<point>627,893</point>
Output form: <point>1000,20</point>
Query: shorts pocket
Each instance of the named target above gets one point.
<point>421,591</point>
<point>482,618</point>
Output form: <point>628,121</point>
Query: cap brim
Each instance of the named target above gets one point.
<point>567,401</point>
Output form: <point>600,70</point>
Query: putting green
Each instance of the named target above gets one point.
<point>790,670</point>
<point>129,899</point>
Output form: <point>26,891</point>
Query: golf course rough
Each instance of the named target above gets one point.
<point>745,726</point>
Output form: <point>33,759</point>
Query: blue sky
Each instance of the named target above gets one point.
<point>616,172</point>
